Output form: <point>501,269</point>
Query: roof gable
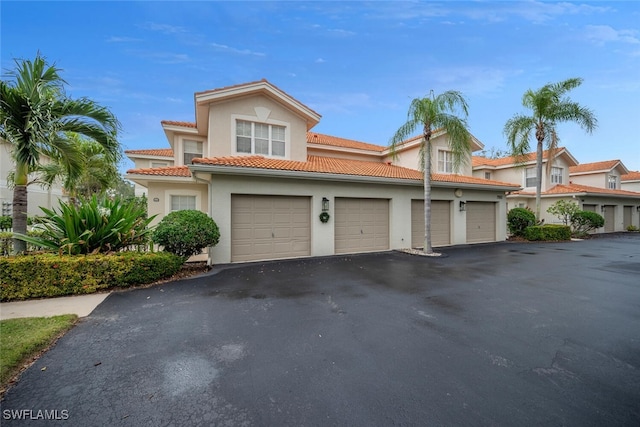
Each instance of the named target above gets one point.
<point>598,167</point>
<point>479,162</point>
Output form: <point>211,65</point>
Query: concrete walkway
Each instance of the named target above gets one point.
<point>82,305</point>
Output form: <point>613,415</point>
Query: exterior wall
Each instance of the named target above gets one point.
<point>140,163</point>
<point>593,180</point>
<point>36,195</point>
<point>256,108</point>
<point>341,154</point>
<point>159,197</point>
<point>517,174</point>
<point>323,235</point>
<point>410,158</point>
<point>630,186</point>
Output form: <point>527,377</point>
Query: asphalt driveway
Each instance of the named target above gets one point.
<point>499,334</point>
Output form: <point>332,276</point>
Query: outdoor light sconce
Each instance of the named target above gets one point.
<point>325,204</point>
<point>601,208</point>
<point>463,206</point>
<point>638,208</point>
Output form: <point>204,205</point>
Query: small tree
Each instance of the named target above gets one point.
<point>564,210</point>
<point>186,233</point>
<point>584,221</point>
<point>518,219</point>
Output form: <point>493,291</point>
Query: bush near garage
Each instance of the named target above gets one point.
<point>549,232</point>
<point>584,221</point>
<point>186,233</point>
<point>518,219</point>
<point>50,275</point>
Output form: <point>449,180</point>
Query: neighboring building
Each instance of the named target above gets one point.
<point>37,195</point>
<point>252,163</point>
<point>630,181</point>
<point>594,186</point>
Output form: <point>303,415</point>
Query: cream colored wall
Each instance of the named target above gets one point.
<point>338,154</point>
<point>258,108</point>
<point>323,235</point>
<point>146,163</point>
<point>410,158</point>
<point>631,186</point>
<point>163,190</point>
<point>593,180</point>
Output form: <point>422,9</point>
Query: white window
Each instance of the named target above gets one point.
<point>530,177</point>
<point>181,203</point>
<point>556,175</point>
<point>445,161</point>
<point>192,150</point>
<point>260,138</point>
<point>613,182</point>
<point>159,164</point>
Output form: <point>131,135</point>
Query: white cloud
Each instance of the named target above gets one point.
<point>226,48</point>
<point>163,28</point>
<point>601,34</point>
<point>118,39</point>
<point>320,61</point>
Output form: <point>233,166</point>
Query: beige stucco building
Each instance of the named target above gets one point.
<point>252,162</point>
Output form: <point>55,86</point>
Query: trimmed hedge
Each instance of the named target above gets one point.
<point>518,219</point>
<point>49,275</point>
<point>553,232</point>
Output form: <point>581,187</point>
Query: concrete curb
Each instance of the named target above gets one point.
<point>81,305</point>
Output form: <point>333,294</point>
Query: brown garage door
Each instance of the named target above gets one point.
<point>609,215</point>
<point>362,225</point>
<point>269,227</point>
<point>481,222</point>
<point>626,216</point>
<point>590,208</point>
<point>440,223</point>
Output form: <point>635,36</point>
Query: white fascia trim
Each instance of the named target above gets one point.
<point>157,178</point>
<point>149,157</point>
<point>319,176</point>
<point>180,129</point>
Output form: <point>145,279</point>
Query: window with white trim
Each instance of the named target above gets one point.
<point>530,177</point>
<point>556,175</point>
<point>181,203</point>
<point>192,150</point>
<point>260,138</point>
<point>445,161</point>
<point>487,175</point>
<point>613,182</point>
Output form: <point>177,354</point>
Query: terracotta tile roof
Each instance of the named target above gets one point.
<point>177,123</point>
<point>606,165</point>
<point>180,171</point>
<point>631,176</point>
<point>318,138</point>
<point>331,165</point>
<point>164,152</point>
<point>504,161</point>
<point>576,188</point>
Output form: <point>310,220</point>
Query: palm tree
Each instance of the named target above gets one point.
<point>34,114</point>
<point>549,106</point>
<point>430,113</point>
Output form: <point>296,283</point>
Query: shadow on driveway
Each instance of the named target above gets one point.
<point>499,334</point>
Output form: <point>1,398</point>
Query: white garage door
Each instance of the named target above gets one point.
<point>440,223</point>
<point>481,222</point>
<point>362,225</point>
<point>269,227</point>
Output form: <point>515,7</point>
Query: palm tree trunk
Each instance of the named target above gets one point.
<point>427,195</point>
<point>538,177</point>
<point>19,217</point>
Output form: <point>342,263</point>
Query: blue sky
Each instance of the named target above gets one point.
<point>358,64</point>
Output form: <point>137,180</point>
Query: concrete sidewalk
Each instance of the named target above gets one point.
<point>82,305</point>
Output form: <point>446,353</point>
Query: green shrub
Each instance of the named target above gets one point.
<point>552,232</point>
<point>564,210</point>
<point>49,275</point>
<point>6,222</point>
<point>518,219</point>
<point>584,221</point>
<point>632,228</point>
<point>186,233</point>
<point>92,227</point>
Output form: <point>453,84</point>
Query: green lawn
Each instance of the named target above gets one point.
<point>22,339</point>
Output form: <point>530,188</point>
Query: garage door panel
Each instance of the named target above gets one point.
<point>440,223</point>
<point>269,227</point>
<point>361,225</point>
<point>481,222</point>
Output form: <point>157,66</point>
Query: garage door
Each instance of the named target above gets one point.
<point>609,218</point>
<point>440,223</point>
<point>269,227</point>
<point>362,225</point>
<point>626,216</point>
<point>481,222</point>
<point>590,208</point>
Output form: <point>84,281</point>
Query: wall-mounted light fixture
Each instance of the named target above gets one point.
<point>325,204</point>
<point>463,206</point>
<point>155,199</point>
<point>602,208</point>
<point>638,208</point>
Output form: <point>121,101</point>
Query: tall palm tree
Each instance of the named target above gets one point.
<point>34,114</point>
<point>430,113</point>
<point>549,106</point>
